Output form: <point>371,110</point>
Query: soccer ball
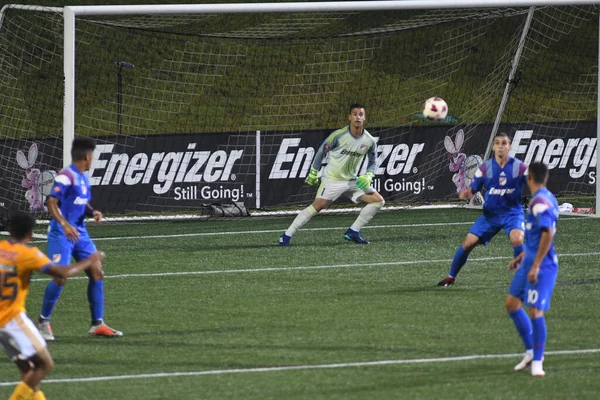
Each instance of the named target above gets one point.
<point>435,108</point>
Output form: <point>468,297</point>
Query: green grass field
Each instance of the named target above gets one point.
<point>215,310</point>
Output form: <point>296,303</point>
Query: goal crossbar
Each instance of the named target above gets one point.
<point>315,7</point>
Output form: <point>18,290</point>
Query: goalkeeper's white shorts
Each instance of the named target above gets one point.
<point>332,190</point>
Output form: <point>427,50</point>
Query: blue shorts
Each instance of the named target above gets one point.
<point>538,295</point>
<point>485,228</point>
<point>60,249</point>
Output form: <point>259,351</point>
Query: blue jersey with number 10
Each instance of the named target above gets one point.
<point>73,191</point>
<point>504,186</point>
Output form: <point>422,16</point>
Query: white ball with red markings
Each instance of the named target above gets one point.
<point>435,108</point>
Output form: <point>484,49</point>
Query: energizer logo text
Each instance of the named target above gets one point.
<point>162,169</point>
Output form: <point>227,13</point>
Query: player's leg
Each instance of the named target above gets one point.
<point>41,365</point>
<point>26,347</point>
<point>328,191</point>
<point>301,219</point>
<point>514,226</point>
<point>95,291</point>
<point>537,300</point>
<point>60,250</point>
<point>481,232</point>
<point>374,203</point>
<point>513,306</point>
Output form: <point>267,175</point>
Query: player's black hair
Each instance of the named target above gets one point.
<point>503,134</point>
<point>538,171</point>
<point>81,147</point>
<point>356,105</point>
<point>20,225</point>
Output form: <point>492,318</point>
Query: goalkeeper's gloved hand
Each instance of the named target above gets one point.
<point>312,179</point>
<point>364,181</point>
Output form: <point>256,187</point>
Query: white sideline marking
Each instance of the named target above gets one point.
<point>274,231</point>
<point>35,235</point>
<point>307,367</point>
<point>250,232</point>
<point>272,269</point>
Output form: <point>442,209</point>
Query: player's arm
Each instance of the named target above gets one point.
<point>96,214</point>
<point>475,186</point>
<point>54,210</point>
<point>325,147</point>
<point>547,222</point>
<point>515,263</point>
<point>61,271</point>
<point>364,181</point>
<point>543,249</point>
<point>466,194</point>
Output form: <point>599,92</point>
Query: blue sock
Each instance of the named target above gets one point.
<point>460,258</point>
<point>95,294</point>
<point>539,338</point>
<point>518,250</point>
<point>51,295</point>
<point>523,324</point>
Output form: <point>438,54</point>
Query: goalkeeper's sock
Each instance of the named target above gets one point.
<point>518,250</point>
<point>302,218</point>
<point>21,392</point>
<point>524,327</point>
<point>460,258</point>
<point>366,214</point>
<point>539,338</point>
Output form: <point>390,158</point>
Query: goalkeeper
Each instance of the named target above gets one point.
<point>346,147</point>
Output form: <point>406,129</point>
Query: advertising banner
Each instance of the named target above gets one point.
<point>173,172</point>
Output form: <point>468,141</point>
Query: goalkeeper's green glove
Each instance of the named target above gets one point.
<point>312,178</point>
<point>364,181</point>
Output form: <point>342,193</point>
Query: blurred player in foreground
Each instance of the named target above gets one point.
<point>19,338</point>
<point>504,178</point>
<point>536,271</point>
<point>347,147</point>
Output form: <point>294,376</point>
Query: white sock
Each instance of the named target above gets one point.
<point>529,352</point>
<point>366,214</point>
<point>302,218</point>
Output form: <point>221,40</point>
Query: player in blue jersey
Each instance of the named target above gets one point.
<point>536,271</point>
<point>347,147</point>
<point>504,178</point>
<point>69,203</point>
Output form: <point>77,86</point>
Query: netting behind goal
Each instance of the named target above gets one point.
<point>190,111</point>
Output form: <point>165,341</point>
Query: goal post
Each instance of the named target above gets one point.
<point>227,103</point>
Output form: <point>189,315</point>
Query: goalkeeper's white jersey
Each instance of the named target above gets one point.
<point>346,153</point>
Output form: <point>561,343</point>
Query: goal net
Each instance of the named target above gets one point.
<point>222,113</point>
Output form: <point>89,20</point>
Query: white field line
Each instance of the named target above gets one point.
<point>251,232</point>
<point>307,267</point>
<point>307,367</point>
<point>35,235</point>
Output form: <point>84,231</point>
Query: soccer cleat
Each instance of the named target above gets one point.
<point>537,368</point>
<point>355,237</point>
<point>447,281</point>
<point>46,329</point>
<point>284,240</point>
<point>104,330</point>
<point>525,362</point>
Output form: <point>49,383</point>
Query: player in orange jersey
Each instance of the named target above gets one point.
<point>19,337</point>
